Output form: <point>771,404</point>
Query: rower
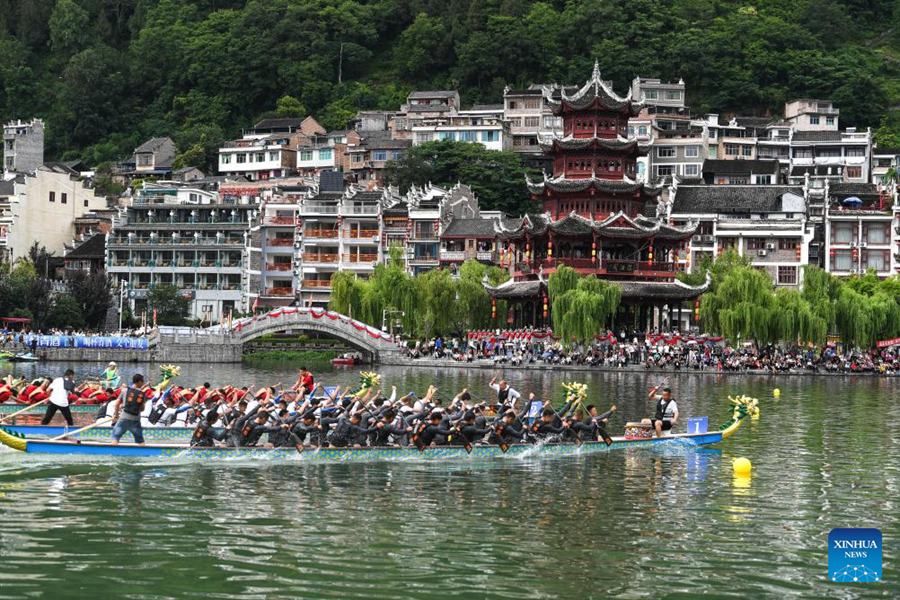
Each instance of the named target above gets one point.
<point>469,431</point>
<point>128,410</point>
<point>59,398</point>
<point>666,410</point>
<point>506,395</point>
<point>206,435</point>
<point>545,429</point>
<point>508,430</point>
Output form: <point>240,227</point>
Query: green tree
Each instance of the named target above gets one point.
<point>581,307</point>
<point>68,27</point>
<point>741,307</point>
<point>92,292</point>
<point>171,307</point>
<point>65,313</point>
<point>288,106</point>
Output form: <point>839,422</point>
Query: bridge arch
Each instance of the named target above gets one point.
<point>355,333</point>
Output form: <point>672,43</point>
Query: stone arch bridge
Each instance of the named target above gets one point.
<point>221,344</point>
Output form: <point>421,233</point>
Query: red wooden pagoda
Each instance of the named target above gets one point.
<point>594,211</point>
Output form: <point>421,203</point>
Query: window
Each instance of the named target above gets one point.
<point>513,105</point>
<point>357,158</point>
<point>642,130</point>
<point>664,170</point>
<point>855,151</point>
<point>842,260</point>
<point>325,154</point>
<point>532,121</point>
<point>85,202</point>
<point>9,162</point>
<point>691,170</point>
<point>843,233</point>
<point>379,155</point>
<point>651,94</point>
<point>803,153</point>
<point>747,150</point>
<point>273,155</point>
<point>396,155</point>
<point>787,275</point>
<point>490,136</point>
<point>829,120</point>
<point>514,122</point>
<point>854,172</point>
<point>468,136</point>
<point>665,151</point>
<point>532,103</point>
<point>713,151</point>
<point>875,259</point>
<point>731,149</point>
<point>755,243</point>
<point>145,160</point>
<point>63,197</point>
<point>52,196</point>
<point>734,180</point>
<point>692,151</point>
<point>828,152</point>
<point>422,138</point>
<point>787,244</point>
<point>447,135</point>
<point>225,158</point>
<point>764,180</point>
<point>712,133</point>
<point>549,122</point>
<point>260,157</point>
<point>673,95</point>
<point>814,119</point>
<point>241,158</point>
<point>877,233</point>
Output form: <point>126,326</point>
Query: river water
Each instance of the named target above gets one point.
<point>625,524</point>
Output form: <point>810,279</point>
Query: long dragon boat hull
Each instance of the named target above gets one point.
<point>162,434</point>
<point>10,407</point>
<point>377,454</point>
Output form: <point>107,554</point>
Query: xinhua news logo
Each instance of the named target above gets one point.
<point>854,555</point>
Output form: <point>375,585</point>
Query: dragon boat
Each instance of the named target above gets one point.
<point>742,409</point>
<point>9,408</point>
<point>159,434</point>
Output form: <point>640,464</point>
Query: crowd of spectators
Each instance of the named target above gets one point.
<point>654,351</point>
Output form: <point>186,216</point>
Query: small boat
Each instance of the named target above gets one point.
<point>24,357</point>
<point>6,355</point>
<point>347,360</point>
<point>373,454</point>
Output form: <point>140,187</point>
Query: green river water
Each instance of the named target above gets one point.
<point>636,523</point>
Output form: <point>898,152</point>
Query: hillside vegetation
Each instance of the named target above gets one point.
<point>106,74</point>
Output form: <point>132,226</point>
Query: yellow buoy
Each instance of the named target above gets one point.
<point>776,392</point>
<point>741,467</point>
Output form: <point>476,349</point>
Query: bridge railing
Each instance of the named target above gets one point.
<point>247,326</point>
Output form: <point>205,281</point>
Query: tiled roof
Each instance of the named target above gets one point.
<point>674,290</point>
<point>819,170</point>
<point>816,136</point>
<point>153,144</point>
<point>739,167</point>
<point>382,139</point>
<point>93,247</point>
<point>433,94</point>
<point>470,228</point>
<point>853,189</point>
<point>279,123</point>
<point>7,188</point>
<point>724,199</point>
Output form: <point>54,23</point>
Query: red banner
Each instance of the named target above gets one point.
<point>886,343</point>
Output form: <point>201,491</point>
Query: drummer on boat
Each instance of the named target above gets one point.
<point>666,415</point>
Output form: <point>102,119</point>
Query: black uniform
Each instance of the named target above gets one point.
<point>205,435</point>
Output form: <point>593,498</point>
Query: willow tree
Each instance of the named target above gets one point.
<point>741,306</point>
<point>581,311</point>
<point>347,293</point>
<point>473,303</point>
<point>864,318</point>
<point>794,319</point>
<point>821,291</point>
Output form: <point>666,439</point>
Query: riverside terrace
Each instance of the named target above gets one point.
<point>531,349</point>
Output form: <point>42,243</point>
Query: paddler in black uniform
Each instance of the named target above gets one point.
<point>430,432</point>
<point>508,430</point>
<point>128,410</point>
<point>206,433</point>
<point>387,429</point>
<point>545,429</point>
<point>468,430</point>
<point>666,411</point>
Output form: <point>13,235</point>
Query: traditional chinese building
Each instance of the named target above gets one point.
<point>596,217</point>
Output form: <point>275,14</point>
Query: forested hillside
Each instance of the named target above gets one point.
<point>106,74</point>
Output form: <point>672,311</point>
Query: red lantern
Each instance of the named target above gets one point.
<point>549,248</point>
<point>696,310</point>
<point>594,251</point>
<point>650,254</point>
<point>493,308</point>
<point>545,307</point>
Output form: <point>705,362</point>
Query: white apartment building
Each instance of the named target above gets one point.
<point>766,223</point>
<point>185,237</point>
<point>482,125</point>
<point>860,229</point>
<point>23,146</point>
<point>529,116</point>
<point>806,114</point>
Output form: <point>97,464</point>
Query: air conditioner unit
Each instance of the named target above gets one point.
<point>770,246</point>
<point>761,253</point>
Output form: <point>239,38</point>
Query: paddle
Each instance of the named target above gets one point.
<point>103,421</point>
<point>26,409</point>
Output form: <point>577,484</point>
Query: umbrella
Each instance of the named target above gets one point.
<point>853,201</point>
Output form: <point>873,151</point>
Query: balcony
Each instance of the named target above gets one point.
<point>280,292</point>
<point>320,233</point>
<point>316,283</point>
<point>360,210</point>
<point>485,255</point>
<point>362,234</point>
<point>278,266</point>
<point>453,255</point>
<point>280,221</point>
<point>360,258</point>
<point>320,209</point>
<point>281,242</point>
<point>314,257</point>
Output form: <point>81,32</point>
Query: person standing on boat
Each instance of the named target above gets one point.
<point>111,376</point>
<point>666,410</point>
<point>59,397</point>
<point>506,395</point>
<point>127,415</point>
